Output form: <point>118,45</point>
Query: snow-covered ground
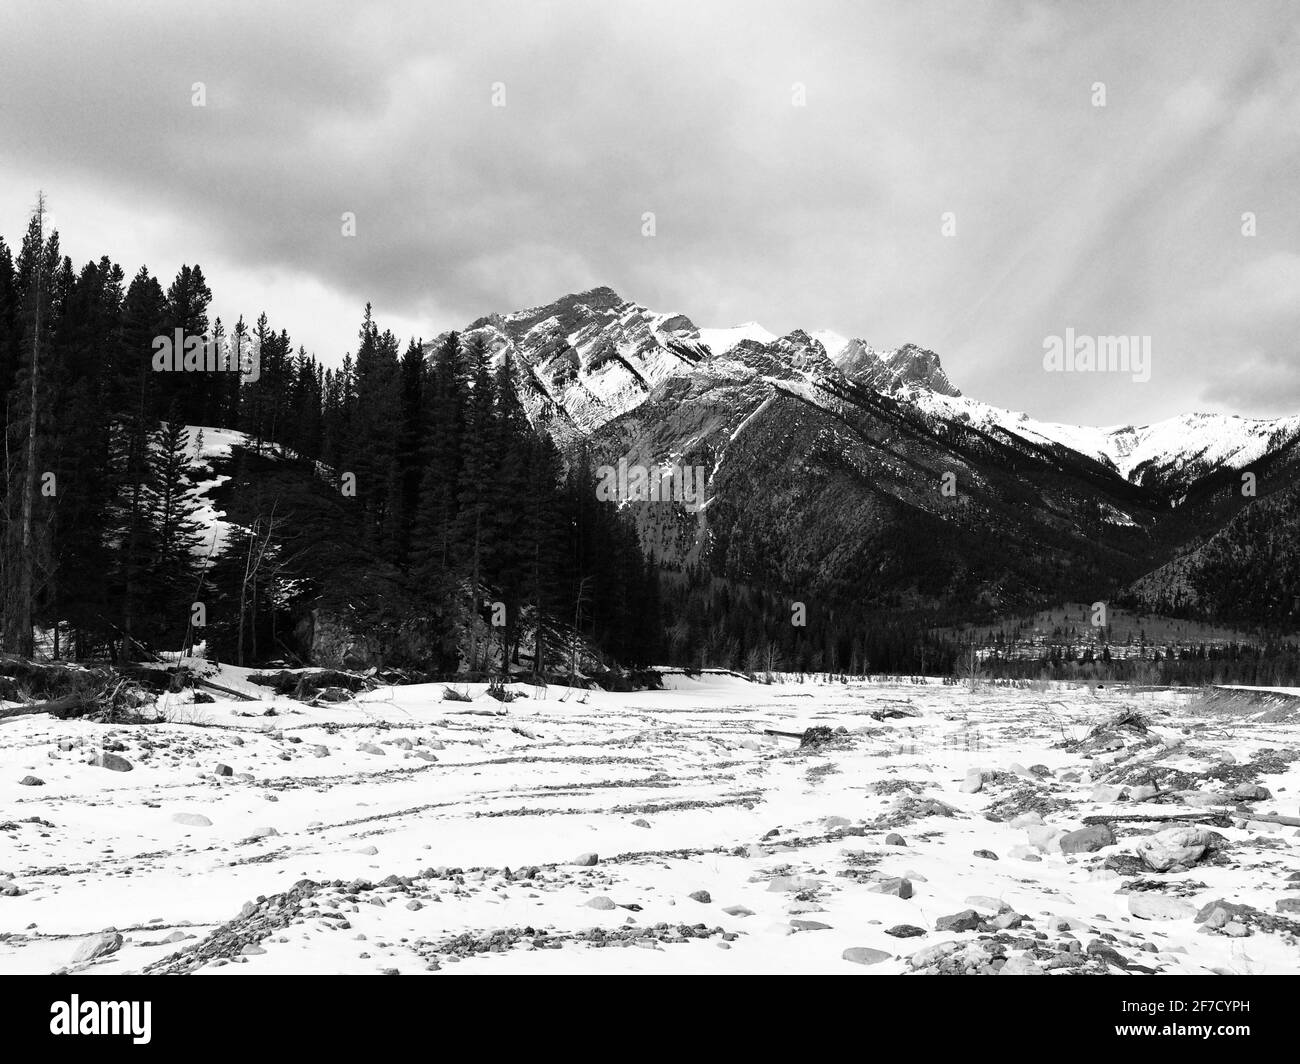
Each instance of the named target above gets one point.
<point>398,814</point>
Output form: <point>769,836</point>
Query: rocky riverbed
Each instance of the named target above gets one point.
<point>922,828</point>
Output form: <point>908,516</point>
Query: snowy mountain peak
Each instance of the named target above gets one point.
<point>888,371</point>
<point>590,357</point>
<point>720,341</point>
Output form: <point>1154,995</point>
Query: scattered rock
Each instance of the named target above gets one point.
<point>1021,964</point>
<point>1087,840</point>
<point>94,946</point>
<point>193,820</point>
<point>862,955</point>
<point>931,954</point>
<point>114,763</point>
<point>586,860</point>
<point>966,920</point>
<point>31,781</point>
<point>702,896</point>
<point>1174,848</point>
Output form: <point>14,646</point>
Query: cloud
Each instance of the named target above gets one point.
<point>821,216</point>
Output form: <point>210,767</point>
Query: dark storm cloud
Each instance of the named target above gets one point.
<point>1122,219</point>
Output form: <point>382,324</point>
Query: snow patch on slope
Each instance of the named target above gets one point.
<point>719,341</point>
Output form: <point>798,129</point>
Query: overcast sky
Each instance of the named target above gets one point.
<point>1125,218</point>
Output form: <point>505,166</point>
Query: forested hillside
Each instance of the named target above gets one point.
<point>395,495</point>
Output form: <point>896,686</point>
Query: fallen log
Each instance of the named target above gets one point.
<point>1271,818</point>
<point>1218,820</point>
<point>67,706</point>
<point>225,690</point>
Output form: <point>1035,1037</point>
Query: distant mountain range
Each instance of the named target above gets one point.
<point>841,471</point>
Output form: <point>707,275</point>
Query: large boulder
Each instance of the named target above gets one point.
<point>1175,848</point>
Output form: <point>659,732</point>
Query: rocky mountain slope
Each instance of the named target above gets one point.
<point>837,469</point>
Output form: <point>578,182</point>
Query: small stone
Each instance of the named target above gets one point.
<point>966,920</point>
<point>31,781</point>
<point>586,860</point>
<point>1021,964</point>
<point>640,823</point>
<point>602,903</point>
<point>895,885</point>
<point>905,931</point>
<point>193,820</point>
<point>1087,840</point>
<point>988,855</point>
<point>224,770</point>
<point>809,925</point>
<point>100,945</point>
<point>1043,837</point>
<point>738,910</point>
<point>930,954</point>
<point>973,782</point>
<point>702,896</point>
<point>862,955</point>
<point>114,763</point>
<point>894,839</point>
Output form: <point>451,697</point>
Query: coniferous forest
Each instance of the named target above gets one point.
<point>396,510</point>
<point>370,497</point>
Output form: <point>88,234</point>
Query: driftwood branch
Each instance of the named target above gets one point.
<point>224,690</point>
<point>67,706</point>
<point>1218,820</point>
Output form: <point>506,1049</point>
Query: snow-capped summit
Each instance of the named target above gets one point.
<point>720,341</point>
<point>590,357</point>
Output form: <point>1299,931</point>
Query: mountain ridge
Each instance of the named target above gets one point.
<point>589,357</point>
